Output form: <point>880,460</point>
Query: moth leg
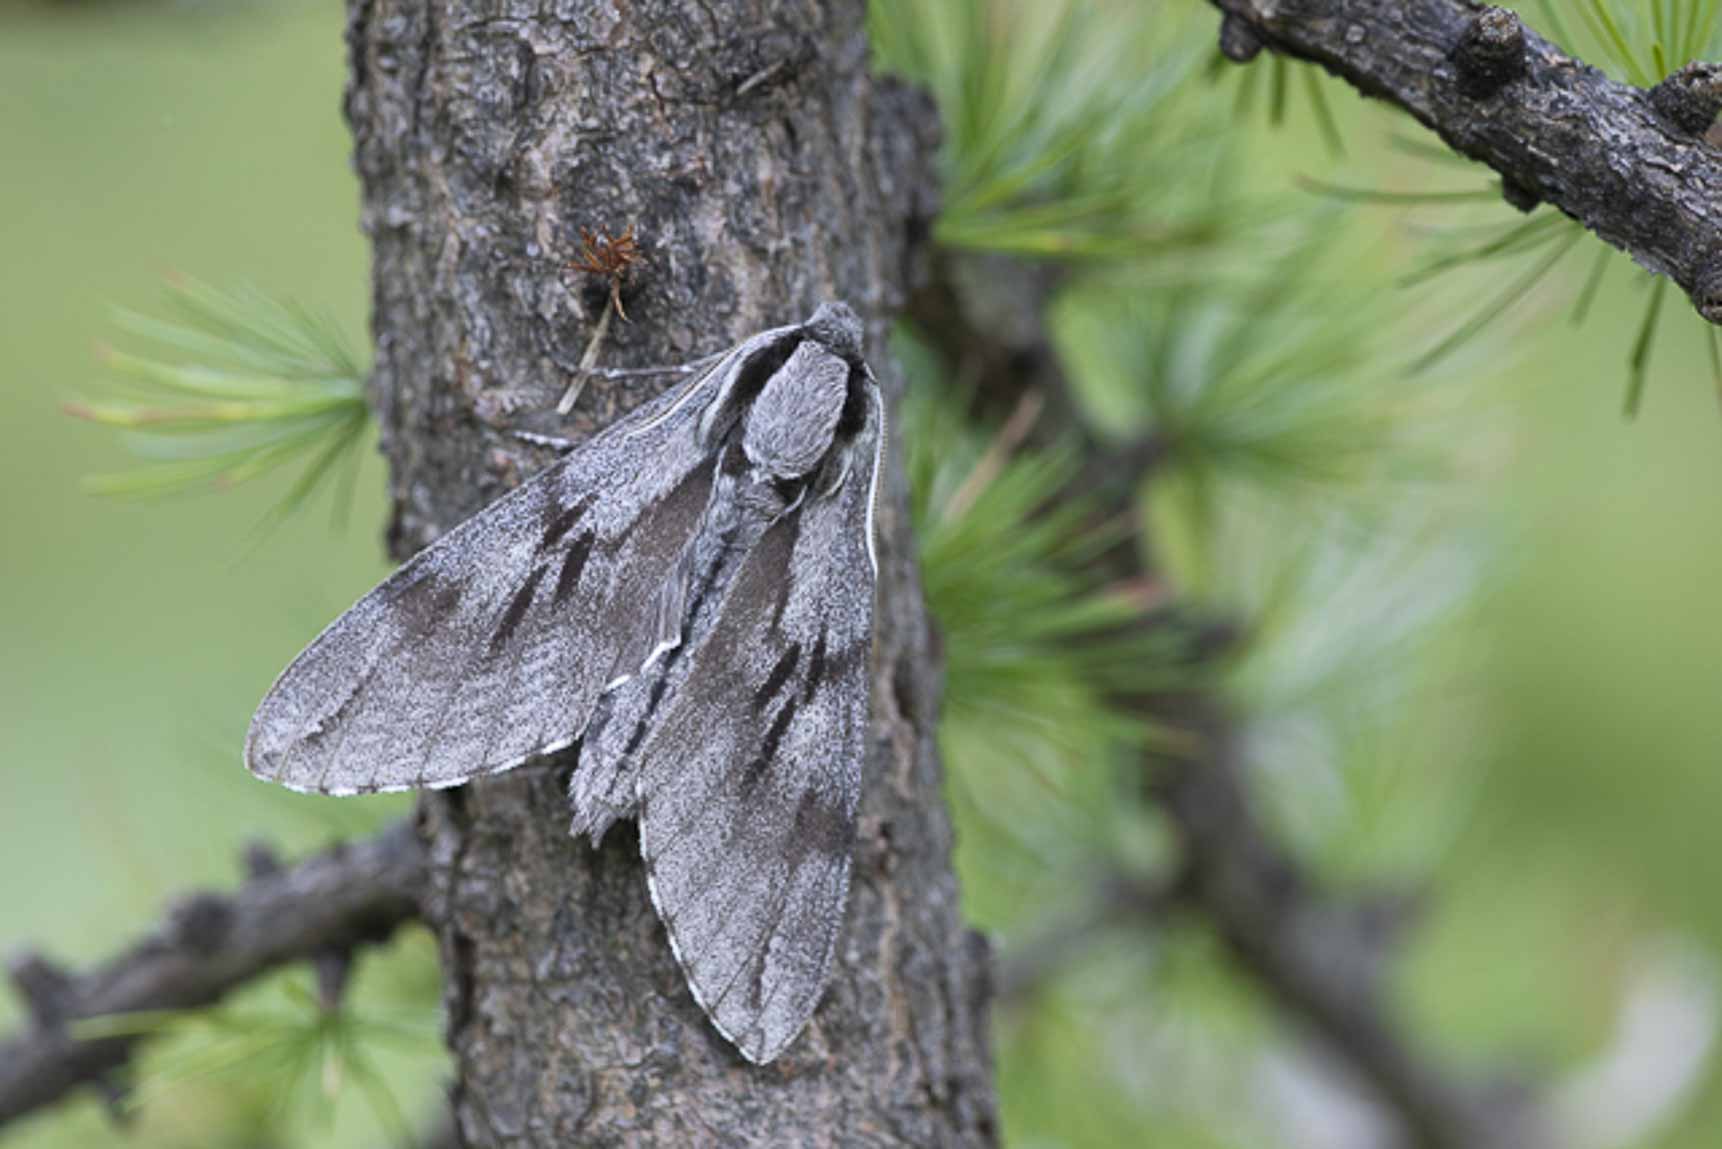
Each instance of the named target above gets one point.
<point>587,369</point>
<point>687,368</point>
<point>559,445</point>
<point>573,367</point>
<point>601,792</point>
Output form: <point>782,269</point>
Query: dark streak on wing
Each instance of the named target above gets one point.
<point>335,720</point>
<point>573,564</point>
<point>820,828</point>
<point>778,677</point>
<point>750,380</point>
<point>754,967</point>
<point>427,601</point>
<point>517,608</point>
<point>565,521</point>
<point>754,772</point>
<point>815,669</point>
<point>855,405</point>
<point>423,604</point>
<point>644,725</point>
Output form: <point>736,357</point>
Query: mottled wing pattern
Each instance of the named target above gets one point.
<point>748,789</point>
<point>491,645</point>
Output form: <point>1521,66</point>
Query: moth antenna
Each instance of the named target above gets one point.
<point>878,398</point>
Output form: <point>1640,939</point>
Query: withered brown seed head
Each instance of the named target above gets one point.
<point>601,255</point>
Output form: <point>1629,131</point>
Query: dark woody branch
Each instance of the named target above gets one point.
<point>208,944</point>
<point>1631,165</point>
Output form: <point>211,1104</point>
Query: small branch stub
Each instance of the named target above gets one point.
<point>1490,53</point>
<point>43,986</point>
<point>200,922</point>
<point>1707,291</point>
<point>1239,41</point>
<point>1690,98</point>
<point>1519,196</point>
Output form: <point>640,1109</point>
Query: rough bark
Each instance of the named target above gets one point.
<point>764,170</point>
<point>1632,165</point>
<point>208,945</point>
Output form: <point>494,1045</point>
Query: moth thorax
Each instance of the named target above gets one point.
<point>838,327</point>
<point>792,422</point>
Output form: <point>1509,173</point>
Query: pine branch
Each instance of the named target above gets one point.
<point>208,944</point>
<point>1628,163</point>
<point>1322,959</point>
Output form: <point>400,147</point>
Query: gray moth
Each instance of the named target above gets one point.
<point>688,597</point>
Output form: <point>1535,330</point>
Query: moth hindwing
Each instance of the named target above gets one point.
<point>689,597</point>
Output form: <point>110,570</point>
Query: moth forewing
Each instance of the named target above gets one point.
<point>749,788</point>
<point>422,683</point>
<point>689,596</point>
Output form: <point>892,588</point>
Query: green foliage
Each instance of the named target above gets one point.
<point>1311,84</point>
<point>1064,135</point>
<point>1527,254</point>
<point>1040,651</point>
<point>1641,40</point>
<point>261,384</point>
<point>310,1057</point>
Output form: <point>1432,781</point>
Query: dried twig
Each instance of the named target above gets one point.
<point>615,260</point>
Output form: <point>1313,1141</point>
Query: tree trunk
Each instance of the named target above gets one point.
<point>764,170</point>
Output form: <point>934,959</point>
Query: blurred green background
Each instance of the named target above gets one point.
<point>1562,812</point>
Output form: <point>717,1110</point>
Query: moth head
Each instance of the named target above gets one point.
<point>793,420</point>
<point>838,327</point>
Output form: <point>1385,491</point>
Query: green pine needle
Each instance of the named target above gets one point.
<point>1039,652</point>
<point>1497,306</point>
<point>259,384</point>
<point>1545,236</point>
<point>1058,142</point>
<point>282,1033</point>
<point>1639,364</point>
<point>1241,383</point>
<point>1425,150</point>
<point>1280,72</point>
<point>1353,194</point>
<point>1323,112</point>
<point>1642,41</point>
<point>1592,284</point>
<point>1516,239</point>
